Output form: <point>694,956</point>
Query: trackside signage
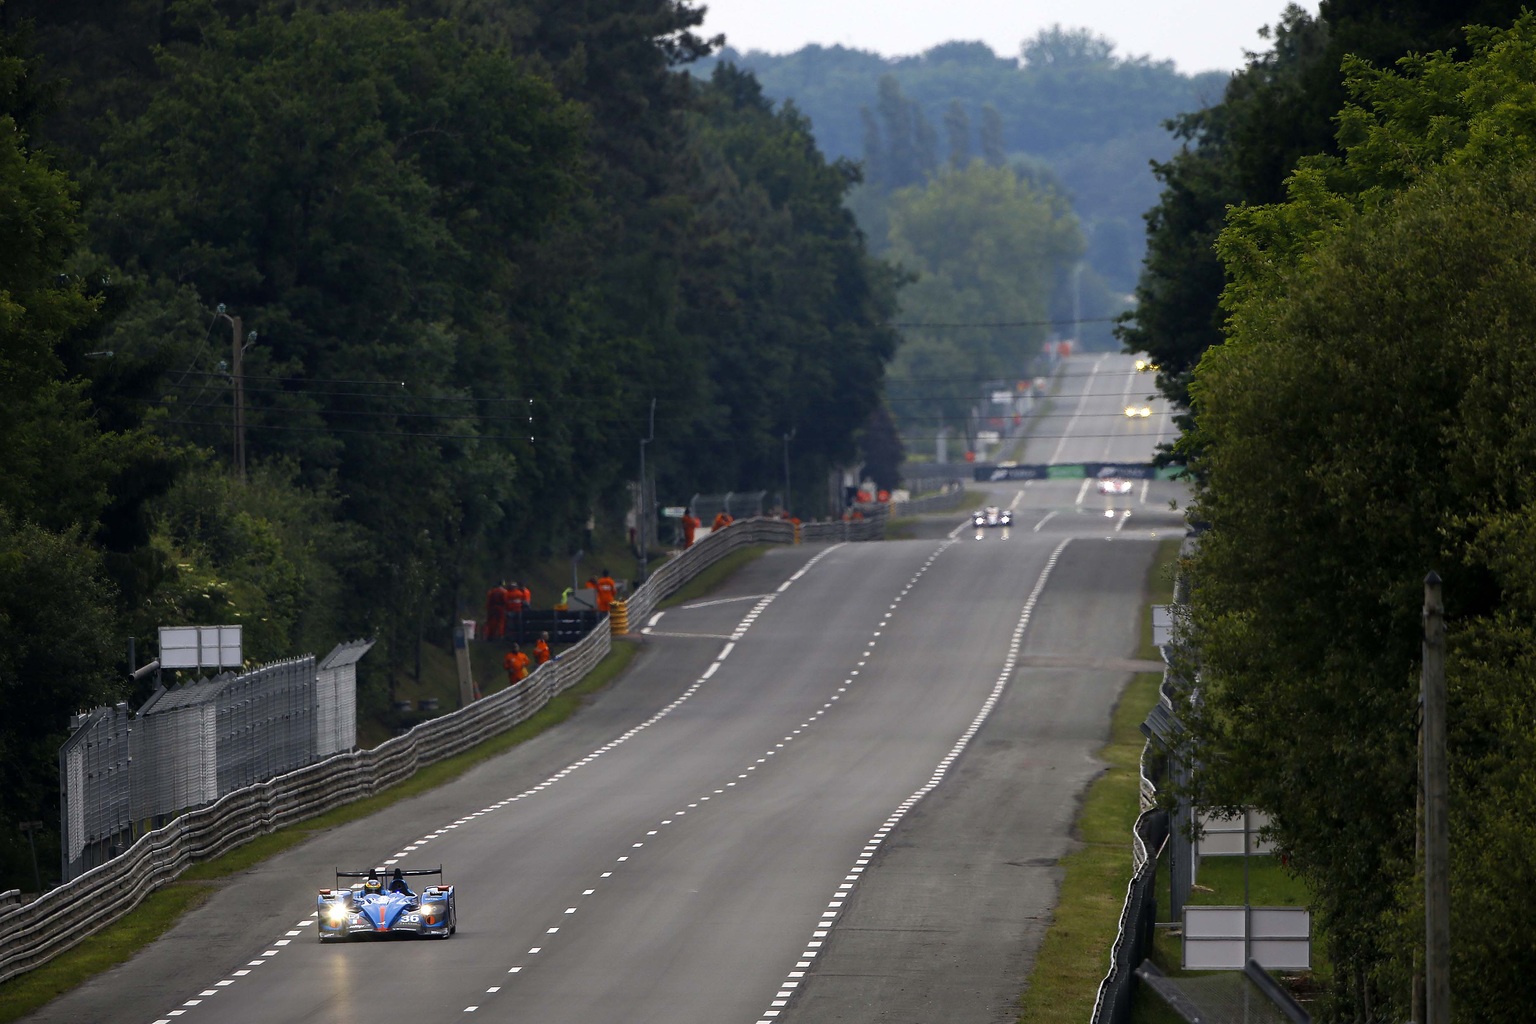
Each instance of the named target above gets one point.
<point>990,473</point>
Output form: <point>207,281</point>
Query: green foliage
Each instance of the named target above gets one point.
<point>1275,113</point>
<point>474,242</point>
<point>1371,408</point>
<point>57,649</point>
<point>355,185</point>
<point>267,554</point>
<point>62,479</point>
<point>986,246</point>
<point>1238,150</point>
<point>780,271</point>
<point>1070,102</point>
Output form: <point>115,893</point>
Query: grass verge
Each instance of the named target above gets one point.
<point>1075,953</point>
<point>1269,885</point>
<point>705,582</point>
<point>20,996</point>
<point>157,914</point>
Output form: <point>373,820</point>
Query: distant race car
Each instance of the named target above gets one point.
<point>387,906</point>
<point>1143,365</point>
<point>1136,410</point>
<point>1114,485</point>
<point>992,516</point>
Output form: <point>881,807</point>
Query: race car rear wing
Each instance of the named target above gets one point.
<point>387,872</point>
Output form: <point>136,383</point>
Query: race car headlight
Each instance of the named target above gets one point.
<point>336,913</point>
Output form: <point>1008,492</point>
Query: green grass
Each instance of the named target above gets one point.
<point>163,908</point>
<point>706,581</point>
<point>153,918</point>
<point>1075,952</point>
<point>1220,884</point>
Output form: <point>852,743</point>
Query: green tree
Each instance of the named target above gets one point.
<point>1370,408</point>
<point>361,189</point>
<point>1276,111</point>
<point>1058,48</point>
<point>782,278</point>
<point>1237,151</point>
<point>957,127</point>
<point>60,475</point>
<point>986,248</point>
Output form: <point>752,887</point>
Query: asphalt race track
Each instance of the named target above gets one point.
<point>836,790</point>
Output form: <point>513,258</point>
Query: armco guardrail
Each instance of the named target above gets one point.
<point>1138,917</point>
<point>33,933</point>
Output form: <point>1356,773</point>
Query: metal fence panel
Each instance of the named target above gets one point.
<point>1225,938</point>
<point>96,896</point>
<point>1221,835</point>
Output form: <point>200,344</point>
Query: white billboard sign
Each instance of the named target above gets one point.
<point>1214,941</point>
<point>200,647</point>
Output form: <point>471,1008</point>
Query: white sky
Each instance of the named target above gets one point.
<point>1197,35</point>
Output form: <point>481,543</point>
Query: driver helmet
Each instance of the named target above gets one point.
<point>373,884</point>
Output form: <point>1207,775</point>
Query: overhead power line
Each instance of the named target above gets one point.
<point>983,324</point>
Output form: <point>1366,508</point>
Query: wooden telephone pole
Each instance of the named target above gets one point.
<point>1437,832</point>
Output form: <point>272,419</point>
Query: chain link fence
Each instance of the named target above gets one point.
<point>125,773</point>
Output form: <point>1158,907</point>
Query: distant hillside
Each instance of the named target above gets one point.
<point>1068,102</point>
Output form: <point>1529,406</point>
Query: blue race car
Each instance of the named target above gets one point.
<point>379,906</point>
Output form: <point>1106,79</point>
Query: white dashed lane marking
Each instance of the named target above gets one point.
<point>844,889</point>
<point>762,600</point>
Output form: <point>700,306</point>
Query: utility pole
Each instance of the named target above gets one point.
<point>1437,834</point>
<point>641,514</point>
<point>787,438</point>
<point>237,374</point>
<point>237,361</point>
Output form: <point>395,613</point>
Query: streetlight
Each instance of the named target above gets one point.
<point>640,494</point>
<point>239,343</point>
<point>787,438</point>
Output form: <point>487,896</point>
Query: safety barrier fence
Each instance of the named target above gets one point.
<point>122,773</point>
<point>35,932</point>
<point>1138,920</point>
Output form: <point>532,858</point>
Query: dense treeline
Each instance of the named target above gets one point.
<point>1008,191</point>
<point>986,247</point>
<point>1066,106</point>
<point>1354,340</point>
<point>469,246</point>
<point>1278,109</point>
